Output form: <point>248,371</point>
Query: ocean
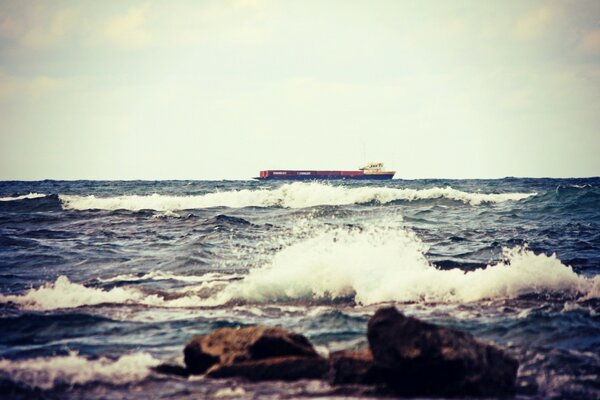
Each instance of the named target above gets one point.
<point>102,280</point>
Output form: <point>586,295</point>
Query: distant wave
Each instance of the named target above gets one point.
<point>73,369</point>
<point>292,195</point>
<point>23,197</point>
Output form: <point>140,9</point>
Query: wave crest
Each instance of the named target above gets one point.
<point>48,372</point>
<point>380,265</point>
<point>292,195</point>
<point>370,266</point>
<point>23,197</point>
<point>63,293</point>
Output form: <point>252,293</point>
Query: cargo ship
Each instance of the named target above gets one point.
<point>369,171</point>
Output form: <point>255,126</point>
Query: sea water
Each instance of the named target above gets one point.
<point>102,280</point>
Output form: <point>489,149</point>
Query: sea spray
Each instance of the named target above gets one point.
<point>379,264</point>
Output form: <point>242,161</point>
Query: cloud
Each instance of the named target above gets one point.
<point>239,22</point>
<point>538,22</point>
<point>128,30</point>
<point>38,26</point>
<point>13,88</point>
<point>252,4</point>
<point>590,42</point>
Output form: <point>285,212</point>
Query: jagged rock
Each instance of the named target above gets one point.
<point>228,346</point>
<point>417,358</point>
<point>353,367</point>
<point>275,368</point>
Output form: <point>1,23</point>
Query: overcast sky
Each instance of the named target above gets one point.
<point>222,89</point>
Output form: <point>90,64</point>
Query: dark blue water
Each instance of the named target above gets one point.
<point>101,280</point>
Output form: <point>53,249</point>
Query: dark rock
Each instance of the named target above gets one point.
<point>353,367</point>
<point>172,369</point>
<point>421,359</point>
<point>229,346</point>
<point>276,368</point>
<point>196,360</point>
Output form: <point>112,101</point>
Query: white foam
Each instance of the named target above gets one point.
<point>292,195</point>
<point>63,293</point>
<point>166,214</point>
<point>373,265</point>
<point>48,372</point>
<point>237,393</point>
<point>23,197</point>
<point>161,276</point>
<point>388,264</point>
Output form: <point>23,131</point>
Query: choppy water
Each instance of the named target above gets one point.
<point>101,280</point>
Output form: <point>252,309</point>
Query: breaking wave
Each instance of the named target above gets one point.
<point>23,197</point>
<point>63,293</point>
<point>73,369</point>
<point>292,195</point>
<point>369,266</point>
<point>380,265</point>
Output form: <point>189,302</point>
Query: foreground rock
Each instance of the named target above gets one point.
<point>229,347</point>
<point>277,368</point>
<point>171,369</point>
<point>416,358</point>
<point>407,356</point>
<point>354,367</point>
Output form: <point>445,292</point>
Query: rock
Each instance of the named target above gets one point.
<point>229,346</point>
<point>196,360</point>
<point>287,368</point>
<point>421,359</point>
<point>172,369</point>
<point>353,367</point>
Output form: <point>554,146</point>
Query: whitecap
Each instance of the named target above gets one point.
<point>382,264</point>
<point>292,195</point>
<point>73,369</point>
<point>62,293</point>
<point>23,197</point>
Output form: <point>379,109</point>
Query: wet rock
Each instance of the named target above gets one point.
<point>229,346</point>
<point>276,368</point>
<point>196,360</point>
<point>172,369</point>
<point>417,358</point>
<point>353,367</point>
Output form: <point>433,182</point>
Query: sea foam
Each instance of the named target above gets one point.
<point>73,369</point>
<point>62,293</point>
<point>23,197</point>
<point>370,265</point>
<point>383,264</point>
<point>292,195</point>
<point>65,294</point>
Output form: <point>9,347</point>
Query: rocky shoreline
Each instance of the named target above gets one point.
<point>406,357</point>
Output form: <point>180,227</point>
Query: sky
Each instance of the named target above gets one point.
<point>222,89</point>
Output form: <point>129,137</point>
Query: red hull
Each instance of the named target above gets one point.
<point>317,175</point>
